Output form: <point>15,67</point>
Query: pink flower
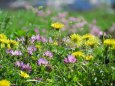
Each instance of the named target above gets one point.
<point>31,49</point>
<point>33,39</point>
<point>23,66</point>
<point>42,61</point>
<point>36,30</point>
<point>38,37</point>
<point>17,53</point>
<point>70,59</point>
<point>14,53</point>
<point>48,54</point>
<point>43,39</point>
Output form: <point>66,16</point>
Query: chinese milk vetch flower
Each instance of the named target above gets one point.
<point>35,38</point>
<point>24,74</point>
<point>19,63</point>
<point>26,67</point>
<point>31,49</point>
<point>38,38</point>
<point>57,25</point>
<point>70,59</point>
<point>42,61</point>
<point>5,83</point>
<point>14,53</point>
<point>48,54</point>
<point>23,66</point>
<point>95,30</point>
<point>43,39</point>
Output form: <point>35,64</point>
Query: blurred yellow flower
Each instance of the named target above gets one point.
<point>109,42</point>
<point>4,83</point>
<point>4,41</point>
<point>23,74</point>
<point>89,57</point>
<point>87,36</point>
<point>78,54</point>
<point>57,25</point>
<point>92,42</point>
<point>13,42</point>
<point>75,37</point>
<point>2,36</point>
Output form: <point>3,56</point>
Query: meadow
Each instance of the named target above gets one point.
<point>50,48</point>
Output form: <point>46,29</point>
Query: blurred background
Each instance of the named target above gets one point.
<point>73,5</point>
<point>82,16</point>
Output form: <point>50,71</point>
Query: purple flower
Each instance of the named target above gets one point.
<point>33,39</point>
<point>26,67</point>
<point>43,39</point>
<point>38,37</point>
<point>23,66</point>
<point>48,54</point>
<point>22,39</point>
<point>9,51</point>
<point>42,61</point>
<point>95,30</point>
<point>18,63</point>
<point>70,59</point>
<point>31,49</point>
<point>14,53</point>
<point>36,30</point>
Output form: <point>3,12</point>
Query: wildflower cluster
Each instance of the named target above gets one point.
<point>47,57</point>
<point>4,42</point>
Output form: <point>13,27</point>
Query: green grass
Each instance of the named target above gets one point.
<point>20,20</point>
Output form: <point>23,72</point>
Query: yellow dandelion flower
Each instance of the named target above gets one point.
<point>4,41</point>
<point>57,25</point>
<point>109,42</point>
<point>87,36</point>
<point>13,42</point>
<point>75,37</point>
<point>89,57</point>
<point>78,54</point>
<point>4,83</point>
<point>92,42</point>
<point>24,74</point>
<point>2,36</point>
